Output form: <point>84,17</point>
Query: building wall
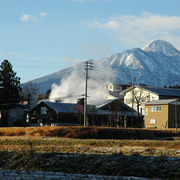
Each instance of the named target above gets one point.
<point>16,116</point>
<point>116,87</point>
<point>156,119</point>
<point>174,111</point>
<point>145,97</point>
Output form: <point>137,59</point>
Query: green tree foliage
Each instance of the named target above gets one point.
<point>10,86</point>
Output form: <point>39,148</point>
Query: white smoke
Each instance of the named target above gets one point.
<point>72,87</point>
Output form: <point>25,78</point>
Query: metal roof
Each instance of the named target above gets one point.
<point>101,102</point>
<point>61,107</point>
<point>163,101</point>
<point>71,108</point>
<point>164,91</point>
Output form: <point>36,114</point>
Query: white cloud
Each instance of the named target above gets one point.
<point>112,24</point>
<point>42,14</point>
<point>28,17</point>
<point>137,30</point>
<point>12,53</point>
<point>72,60</point>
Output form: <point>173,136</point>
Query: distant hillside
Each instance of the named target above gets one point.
<point>157,64</point>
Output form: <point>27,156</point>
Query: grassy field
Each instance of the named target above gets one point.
<point>92,150</point>
<point>90,140</point>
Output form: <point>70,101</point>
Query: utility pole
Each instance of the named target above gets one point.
<point>134,80</point>
<point>88,66</point>
<point>176,115</point>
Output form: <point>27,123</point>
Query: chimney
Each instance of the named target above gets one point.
<point>80,101</point>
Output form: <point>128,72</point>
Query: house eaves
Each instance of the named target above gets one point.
<point>161,102</point>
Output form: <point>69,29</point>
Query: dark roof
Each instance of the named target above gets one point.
<point>71,108</point>
<point>61,107</point>
<point>164,91</point>
<point>120,102</point>
<point>65,107</point>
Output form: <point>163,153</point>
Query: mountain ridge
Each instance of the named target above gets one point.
<point>156,64</point>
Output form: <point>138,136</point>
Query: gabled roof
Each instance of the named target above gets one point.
<point>163,101</point>
<point>101,102</point>
<point>71,108</point>
<point>120,102</point>
<point>60,107</point>
<point>156,90</point>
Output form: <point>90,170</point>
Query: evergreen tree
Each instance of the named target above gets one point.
<point>10,85</point>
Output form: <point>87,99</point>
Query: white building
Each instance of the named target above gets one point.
<point>116,87</point>
<point>137,97</point>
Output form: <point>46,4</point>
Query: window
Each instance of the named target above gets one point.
<point>128,101</point>
<point>146,111</point>
<point>152,121</point>
<point>110,87</point>
<point>156,108</point>
<point>43,110</point>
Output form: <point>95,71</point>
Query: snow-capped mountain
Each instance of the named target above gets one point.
<point>161,46</point>
<point>157,64</point>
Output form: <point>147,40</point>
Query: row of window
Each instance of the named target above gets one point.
<point>156,108</point>
<point>153,109</point>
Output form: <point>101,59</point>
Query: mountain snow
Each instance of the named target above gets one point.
<point>157,64</point>
<point>161,46</point>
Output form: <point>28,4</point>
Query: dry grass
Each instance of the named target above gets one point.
<point>88,132</point>
<point>12,131</point>
<point>87,137</point>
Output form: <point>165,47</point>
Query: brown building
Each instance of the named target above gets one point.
<point>162,114</point>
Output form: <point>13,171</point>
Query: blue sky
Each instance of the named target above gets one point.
<point>40,37</point>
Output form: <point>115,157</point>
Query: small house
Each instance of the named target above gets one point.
<point>107,113</point>
<point>53,113</point>
<point>162,114</point>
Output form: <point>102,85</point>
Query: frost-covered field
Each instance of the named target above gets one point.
<point>38,175</point>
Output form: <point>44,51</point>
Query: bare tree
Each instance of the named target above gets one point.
<point>31,87</point>
<point>138,99</point>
